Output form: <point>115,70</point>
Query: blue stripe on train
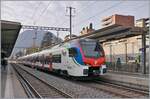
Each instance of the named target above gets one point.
<point>78,58</point>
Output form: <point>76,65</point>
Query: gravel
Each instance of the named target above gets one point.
<point>43,89</point>
<point>76,90</point>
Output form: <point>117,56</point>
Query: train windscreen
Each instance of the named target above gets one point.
<point>92,49</point>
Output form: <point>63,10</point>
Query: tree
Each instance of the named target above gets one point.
<point>49,39</point>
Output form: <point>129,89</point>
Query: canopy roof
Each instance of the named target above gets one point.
<point>9,34</point>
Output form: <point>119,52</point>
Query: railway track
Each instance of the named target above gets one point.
<point>37,88</point>
<point>128,92</point>
<point>113,89</point>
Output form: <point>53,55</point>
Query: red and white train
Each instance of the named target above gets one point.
<point>78,58</point>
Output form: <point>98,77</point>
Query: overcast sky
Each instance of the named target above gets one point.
<point>53,13</point>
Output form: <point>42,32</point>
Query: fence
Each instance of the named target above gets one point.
<point>129,67</point>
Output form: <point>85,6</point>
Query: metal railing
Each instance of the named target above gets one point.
<point>126,67</point>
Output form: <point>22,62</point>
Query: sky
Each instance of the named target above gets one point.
<point>54,13</point>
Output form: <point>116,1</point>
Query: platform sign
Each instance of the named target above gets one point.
<point>142,49</point>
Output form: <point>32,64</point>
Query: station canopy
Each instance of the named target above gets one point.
<point>114,32</point>
<point>9,34</point>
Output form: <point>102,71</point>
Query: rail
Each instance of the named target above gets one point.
<point>35,92</point>
<point>30,91</point>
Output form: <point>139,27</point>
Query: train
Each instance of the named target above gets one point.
<point>76,58</point>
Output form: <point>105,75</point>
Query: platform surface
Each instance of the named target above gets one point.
<point>10,85</point>
<point>140,80</point>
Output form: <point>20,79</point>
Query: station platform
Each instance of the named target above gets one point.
<point>10,85</point>
<point>140,81</point>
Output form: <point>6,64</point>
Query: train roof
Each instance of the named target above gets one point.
<point>67,41</point>
<point>54,47</point>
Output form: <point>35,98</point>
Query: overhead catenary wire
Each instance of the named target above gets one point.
<point>34,38</point>
<point>24,39</point>
<point>34,13</point>
<point>43,11</point>
<point>79,11</point>
<point>101,12</point>
<point>134,9</point>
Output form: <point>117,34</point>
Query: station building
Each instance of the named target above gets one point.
<point>124,20</point>
<point>128,49</point>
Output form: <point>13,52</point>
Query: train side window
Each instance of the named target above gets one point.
<point>56,58</point>
<point>50,58</point>
<point>41,59</point>
<point>72,52</point>
<point>37,59</point>
<point>47,59</point>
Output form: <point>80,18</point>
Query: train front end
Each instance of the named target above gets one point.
<point>93,56</point>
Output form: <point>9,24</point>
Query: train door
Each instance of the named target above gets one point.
<point>50,62</point>
<point>64,58</point>
<point>72,52</point>
<point>42,60</point>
